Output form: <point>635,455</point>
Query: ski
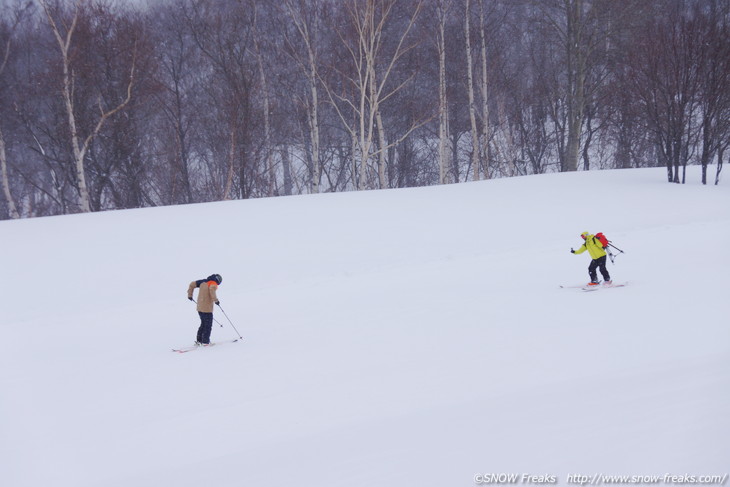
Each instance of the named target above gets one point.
<point>588,287</point>
<point>184,350</point>
<point>196,347</point>
<point>603,286</point>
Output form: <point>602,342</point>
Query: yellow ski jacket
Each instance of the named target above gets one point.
<point>593,246</point>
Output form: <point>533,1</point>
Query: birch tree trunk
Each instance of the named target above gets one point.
<point>382,158</point>
<point>268,149</point>
<point>576,82</point>
<point>442,7</point>
<point>12,209</point>
<point>79,151</point>
<point>182,146</point>
<point>354,144</point>
<point>286,169</point>
<point>314,129</point>
<point>484,142</point>
<point>470,90</point>
<point>720,157</point>
<point>366,31</point>
<point>232,148</point>
<point>381,154</point>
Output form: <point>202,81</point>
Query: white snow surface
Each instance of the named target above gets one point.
<point>393,338</point>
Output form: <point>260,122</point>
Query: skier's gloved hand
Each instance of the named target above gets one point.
<point>572,251</point>
<point>190,299</point>
<point>218,303</point>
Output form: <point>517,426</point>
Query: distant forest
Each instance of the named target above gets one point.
<point>116,104</point>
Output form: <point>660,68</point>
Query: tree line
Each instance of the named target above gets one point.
<point>108,105</point>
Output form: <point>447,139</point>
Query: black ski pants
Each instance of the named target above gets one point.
<point>206,326</point>
<point>599,264</point>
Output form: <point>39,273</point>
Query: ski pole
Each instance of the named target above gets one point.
<point>612,245</point>
<point>229,320</point>
<point>194,301</point>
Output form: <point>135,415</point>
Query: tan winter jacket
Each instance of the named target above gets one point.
<point>206,295</point>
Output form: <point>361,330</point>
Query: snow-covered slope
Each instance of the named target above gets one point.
<point>391,338</point>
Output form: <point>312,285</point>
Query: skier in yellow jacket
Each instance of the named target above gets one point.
<point>206,298</point>
<point>598,255</point>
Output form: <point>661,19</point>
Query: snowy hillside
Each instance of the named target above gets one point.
<point>391,338</point>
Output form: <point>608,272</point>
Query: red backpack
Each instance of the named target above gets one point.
<point>602,238</point>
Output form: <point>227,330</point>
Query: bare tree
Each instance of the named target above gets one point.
<point>475,150</point>
<point>12,209</point>
<point>179,76</point>
<point>665,77</point>
<point>7,31</point>
<point>443,7</point>
<point>64,35</point>
<point>305,15</point>
<point>715,79</point>
<point>223,33</point>
<point>268,148</point>
<point>484,90</point>
<point>581,29</point>
<point>368,81</point>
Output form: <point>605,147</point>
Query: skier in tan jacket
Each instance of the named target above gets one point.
<point>206,299</point>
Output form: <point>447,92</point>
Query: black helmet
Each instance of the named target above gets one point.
<point>215,277</point>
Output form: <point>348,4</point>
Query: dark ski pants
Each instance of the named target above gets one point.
<point>206,325</point>
<point>599,264</point>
